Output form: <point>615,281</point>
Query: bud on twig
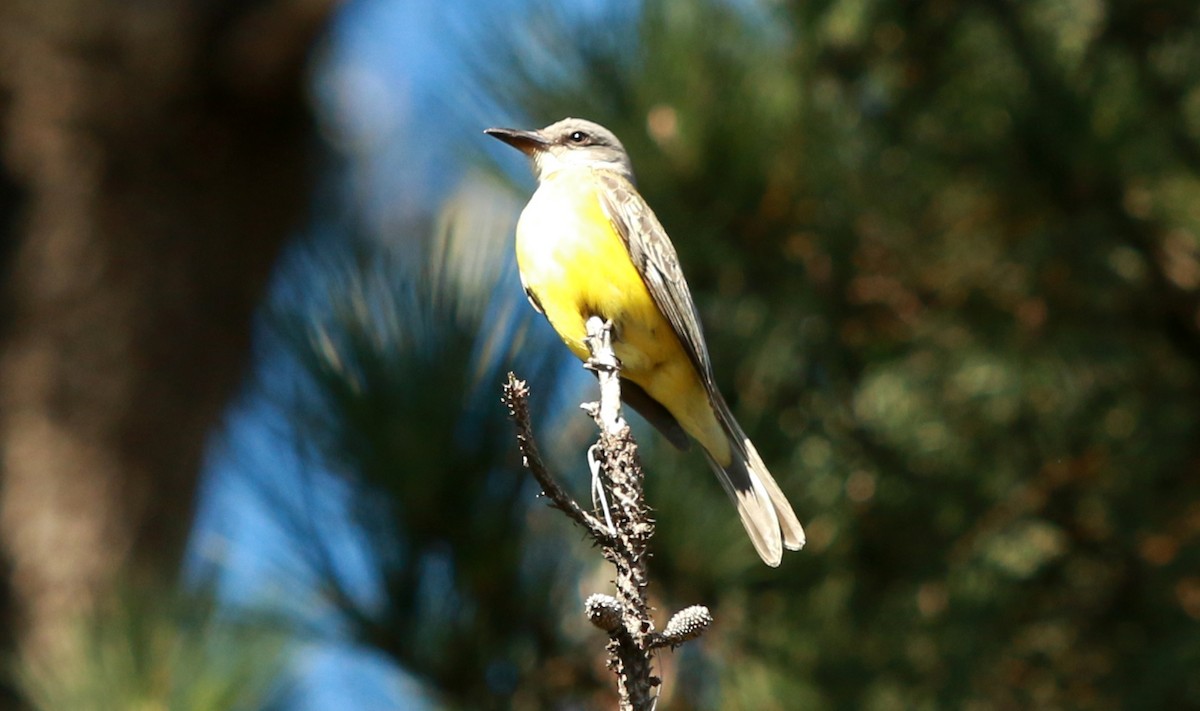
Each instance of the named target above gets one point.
<point>604,611</point>
<point>687,624</point>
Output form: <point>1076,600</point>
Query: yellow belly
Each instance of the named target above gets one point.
<point>576,266</point>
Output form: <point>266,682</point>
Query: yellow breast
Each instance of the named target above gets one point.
<point>576,265</point>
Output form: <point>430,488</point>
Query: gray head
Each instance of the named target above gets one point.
<point>569,143</point>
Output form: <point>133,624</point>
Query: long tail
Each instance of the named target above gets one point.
<point>765,511</point>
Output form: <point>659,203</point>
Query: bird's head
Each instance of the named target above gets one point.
<point>568,143</point>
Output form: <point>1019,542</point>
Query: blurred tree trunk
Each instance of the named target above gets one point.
<point>154,159</point>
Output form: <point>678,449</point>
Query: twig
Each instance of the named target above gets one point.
<point>625,542</point>
<point>516,397</point>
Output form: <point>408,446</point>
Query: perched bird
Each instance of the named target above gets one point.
<point>589,245</point>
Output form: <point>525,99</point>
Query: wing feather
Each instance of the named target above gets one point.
<point>655,259</point>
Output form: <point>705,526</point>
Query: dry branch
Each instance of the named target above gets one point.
<point>625,617</point>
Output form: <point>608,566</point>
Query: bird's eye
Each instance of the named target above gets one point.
<point>578,137</point>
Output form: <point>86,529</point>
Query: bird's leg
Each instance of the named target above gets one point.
<point>604,361</point>
<point>599,340</point>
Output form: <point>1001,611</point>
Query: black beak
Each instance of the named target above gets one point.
<point>528,142</point>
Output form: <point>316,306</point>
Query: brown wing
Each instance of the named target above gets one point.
<point>656,261</point>
<point>765,512</point>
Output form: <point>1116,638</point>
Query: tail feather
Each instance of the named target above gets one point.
<point>793,532</point>
<point>764,510</point>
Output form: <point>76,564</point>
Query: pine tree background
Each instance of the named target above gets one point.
<point>947,256</point>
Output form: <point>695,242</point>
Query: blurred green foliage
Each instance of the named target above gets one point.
<point>163,650</point>
<point>401,349</point>
<point>948,259</point>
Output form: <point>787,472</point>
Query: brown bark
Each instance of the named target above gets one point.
<point>157,154</point>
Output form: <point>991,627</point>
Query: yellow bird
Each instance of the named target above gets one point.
<point>589,245</point>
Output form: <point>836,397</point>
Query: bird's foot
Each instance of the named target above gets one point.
<point>599,342</point>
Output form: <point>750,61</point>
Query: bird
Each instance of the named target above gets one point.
<point>588,244</point>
